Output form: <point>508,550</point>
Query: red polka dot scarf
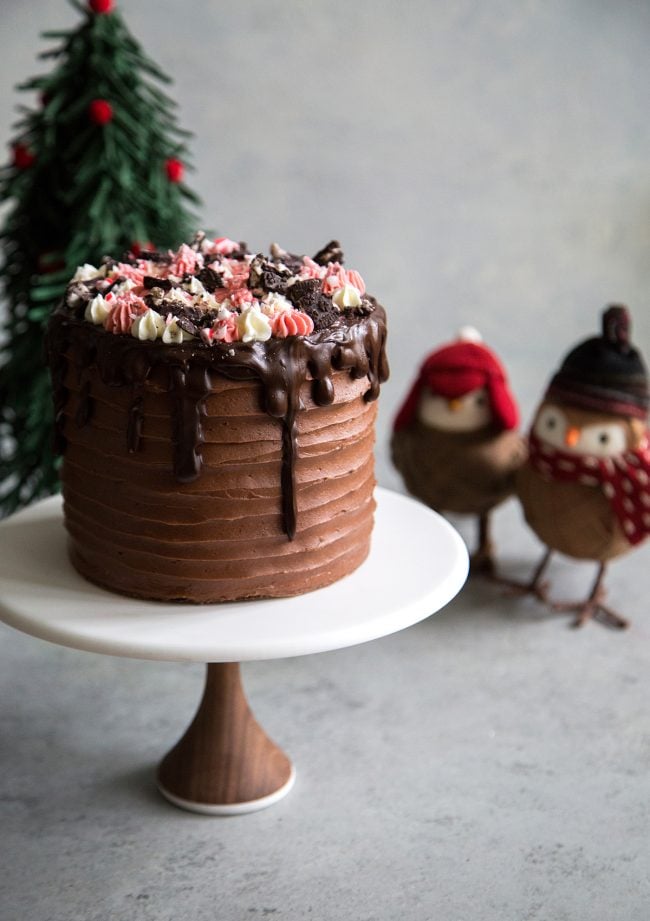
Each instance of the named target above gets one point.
<point>624,479</point>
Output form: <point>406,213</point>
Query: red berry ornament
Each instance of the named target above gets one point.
<point>101,6</point>
<point>100,111</point>
<point>23,157</point>
<point>174,169</point>
<point>138,248</point>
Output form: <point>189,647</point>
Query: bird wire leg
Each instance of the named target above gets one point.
<point>535,586</point>
<point>482,560</point>
<point>593,608</point>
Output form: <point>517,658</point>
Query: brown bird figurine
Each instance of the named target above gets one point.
<point>455,440</point>
<point>585,489</point>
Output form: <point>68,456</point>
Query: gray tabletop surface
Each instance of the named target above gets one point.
<point>488,763</point>
<point>485,164</point>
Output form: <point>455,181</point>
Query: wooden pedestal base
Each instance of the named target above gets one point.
<point>225,763</point>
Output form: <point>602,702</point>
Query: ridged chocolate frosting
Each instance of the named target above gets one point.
<point>282,366</point>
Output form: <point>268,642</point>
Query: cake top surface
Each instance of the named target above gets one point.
<point>215,291</point>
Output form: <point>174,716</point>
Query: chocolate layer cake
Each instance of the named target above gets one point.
<point>216,411</point>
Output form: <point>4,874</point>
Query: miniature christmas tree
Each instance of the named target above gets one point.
<point>97,168</point>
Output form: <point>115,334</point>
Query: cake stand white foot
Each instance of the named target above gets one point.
<point>230,808</point>
<point>225,764</point>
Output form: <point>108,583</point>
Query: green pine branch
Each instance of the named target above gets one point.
<point>91,190</point>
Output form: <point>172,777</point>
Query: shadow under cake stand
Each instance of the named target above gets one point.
<point>225,763</point>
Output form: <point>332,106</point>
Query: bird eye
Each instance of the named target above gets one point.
<point>466,413</point>
<point>550,425</point>
<point>603,440</point>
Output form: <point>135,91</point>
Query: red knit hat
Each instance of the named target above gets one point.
<point>457,369</point>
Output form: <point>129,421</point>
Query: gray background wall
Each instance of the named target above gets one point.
<point>483,163</point>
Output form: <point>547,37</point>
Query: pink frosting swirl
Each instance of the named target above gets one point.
<point>335,278</point>
<point>355,279</point>
<point>234,284</point>
<point>311,269</point>
<point>222,330</point>
<point>240,297</point>
<point>291,323</point>
<point>127,307</point>
<point>134,273</point>
<point>185,260</point>
<point>239,272</point>
<point>220,295</point>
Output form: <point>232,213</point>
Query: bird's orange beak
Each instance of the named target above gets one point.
<point>455,404</point>
<point>571,437</point>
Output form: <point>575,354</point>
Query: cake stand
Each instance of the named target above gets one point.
<point>225,763</point>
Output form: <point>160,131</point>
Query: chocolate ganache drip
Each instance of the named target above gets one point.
<point>281,365</point>
<point>207,300</point>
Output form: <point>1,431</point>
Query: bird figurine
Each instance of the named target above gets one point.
<point>585,488</point>
<point>454,439</point>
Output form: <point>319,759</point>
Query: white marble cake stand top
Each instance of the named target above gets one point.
<point>417,564</point>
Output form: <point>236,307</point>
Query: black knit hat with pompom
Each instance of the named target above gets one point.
<point>605,373</point>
